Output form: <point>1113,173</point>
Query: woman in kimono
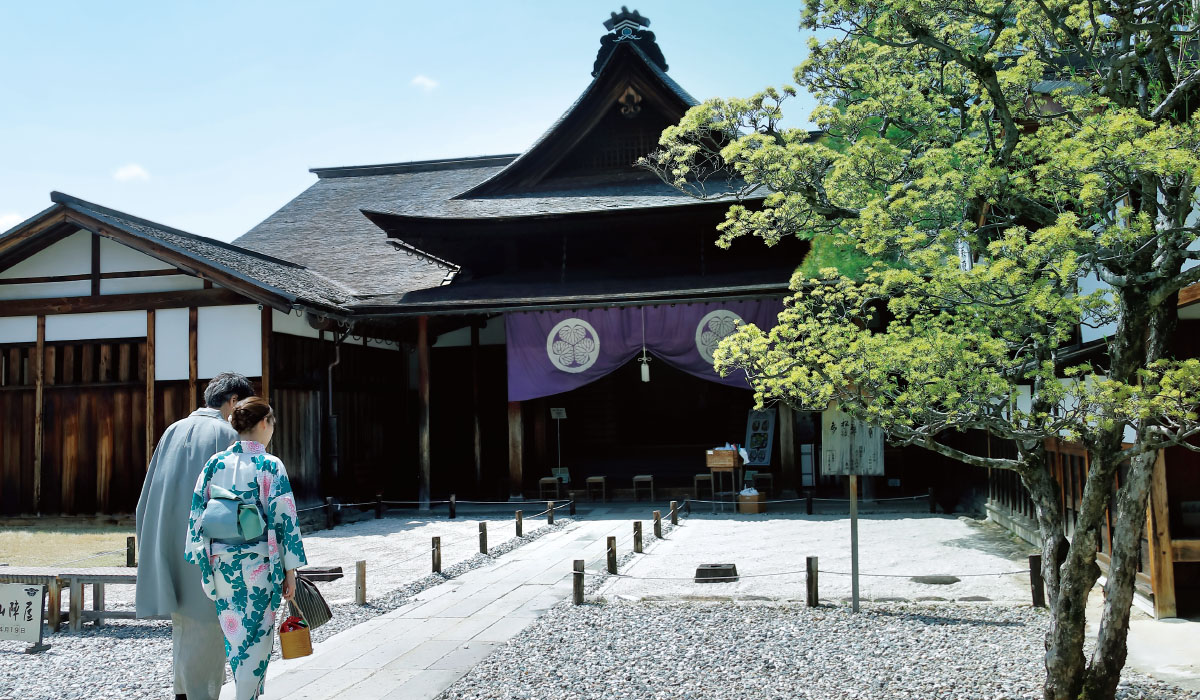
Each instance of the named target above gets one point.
<point>249,581</point>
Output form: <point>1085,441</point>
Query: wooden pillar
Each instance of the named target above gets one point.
<point>423,473</point>
<point>193,351</point>
<point>476,433</point>
<point>39,400</point>
<point>95,265</point>
<point>1158,532</point>
<point>149,385</point>
<point>516,449</point>
<point>788,482</point>
<point>539,455</point>
<point>267,326</point>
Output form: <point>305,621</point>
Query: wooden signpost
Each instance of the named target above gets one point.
<point>22,607</point>
<point>851,448</point>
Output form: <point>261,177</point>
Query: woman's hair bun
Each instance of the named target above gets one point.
<point>249,412</point>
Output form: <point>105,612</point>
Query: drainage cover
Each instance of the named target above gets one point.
<point>935,580</point>
<point>716,573</point>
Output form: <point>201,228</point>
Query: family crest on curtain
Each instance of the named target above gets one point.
<point>550,352</point>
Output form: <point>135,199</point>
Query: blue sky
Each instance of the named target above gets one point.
<point>207,116</point>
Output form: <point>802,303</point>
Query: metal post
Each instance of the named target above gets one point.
<point>578,568</point>
<point>453,506</point>
<point>812,581</point>
<point>520,523</point>
<point>437,555</point>
<point>854,541</point>
<point>483,538</point>
<point>360,582</point>
<point>674,512</point>
<point>131,551</point>
<point>612,554</point>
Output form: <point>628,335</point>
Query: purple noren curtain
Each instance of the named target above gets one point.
<point>555,351</point>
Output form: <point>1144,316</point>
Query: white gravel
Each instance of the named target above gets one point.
<point>898,545</point>
<point>131,660</point>
<point>722,651</point>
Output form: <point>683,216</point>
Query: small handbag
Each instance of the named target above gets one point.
<point>294,641</point>
<point>308,604</point>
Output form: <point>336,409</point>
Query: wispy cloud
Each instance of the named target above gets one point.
<point>130,172</point>
<point>9,219</point>
<point>424,82</point>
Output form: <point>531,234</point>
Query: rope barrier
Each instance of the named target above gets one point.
<point>92,556</point>
<point>844,573</point>
<point>783,573</point>
<point>842,500</point>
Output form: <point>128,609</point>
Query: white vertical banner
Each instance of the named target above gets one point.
<point>850,446</point>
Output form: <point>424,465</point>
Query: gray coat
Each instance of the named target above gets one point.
<point>167,583</point>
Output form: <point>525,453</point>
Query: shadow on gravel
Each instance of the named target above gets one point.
<point>944,621</point>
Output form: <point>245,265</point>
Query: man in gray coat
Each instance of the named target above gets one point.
<point>166,583</point>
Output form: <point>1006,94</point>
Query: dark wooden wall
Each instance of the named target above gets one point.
<point>376,437</point>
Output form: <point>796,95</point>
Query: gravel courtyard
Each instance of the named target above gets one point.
<point>898,546</point>
<point>719,651</point>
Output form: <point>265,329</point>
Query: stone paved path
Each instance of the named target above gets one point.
<point>420,649</point>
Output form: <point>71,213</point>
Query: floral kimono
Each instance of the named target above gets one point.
<point>246,580</point>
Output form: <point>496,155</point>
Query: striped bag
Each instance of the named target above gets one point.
<point>309,604</point>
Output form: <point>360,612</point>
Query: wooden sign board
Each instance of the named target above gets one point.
<point>760,433</point>
<point>850,446</point>
<point>22,606</point>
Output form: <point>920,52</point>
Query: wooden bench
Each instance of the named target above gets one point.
<point>74,580</point>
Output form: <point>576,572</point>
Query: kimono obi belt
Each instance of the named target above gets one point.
<point>258,546</point>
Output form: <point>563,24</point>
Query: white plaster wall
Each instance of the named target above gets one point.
<point>70,256</point>
<point>170,344</point>
<point>108,324</point>
<point>118,257</point>
<point>18,329</point>
<point>81,288</point>
<point>229,339</point>
<point>291,324</point>
<point>1087,285</point>
<point>144,285</point>
<point>491,334</point>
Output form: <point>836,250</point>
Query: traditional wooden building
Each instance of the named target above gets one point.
<point>418,326</point>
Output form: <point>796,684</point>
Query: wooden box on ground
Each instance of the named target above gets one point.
<point>752,504</point>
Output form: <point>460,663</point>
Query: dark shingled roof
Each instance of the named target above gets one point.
<point>288,280</point>
<point>325,229</point>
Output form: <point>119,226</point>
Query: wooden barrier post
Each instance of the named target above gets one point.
<point>657,525</point>
<point>808,503</point>
<point>812,581</point>
<point>578,593</point>
<point>687,505</point>
<point>378,506</point>
<point>612,554</point>
<point>453,506</point>
<point>637,536</point>
<point>329,512</point>
<point>549,512</point>
<point>1035,581</point>
<point>932,505</point>
<point>674,512</point>
<point>483,538</point>
<point>571,507</point>
<point>437,555</point>
<point>131,551</point>
<point>360,582</point>
<point>520,523</point>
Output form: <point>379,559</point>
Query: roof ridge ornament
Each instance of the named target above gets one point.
<point>626,26</point>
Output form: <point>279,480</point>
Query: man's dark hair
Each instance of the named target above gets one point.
<point>225,386</point>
